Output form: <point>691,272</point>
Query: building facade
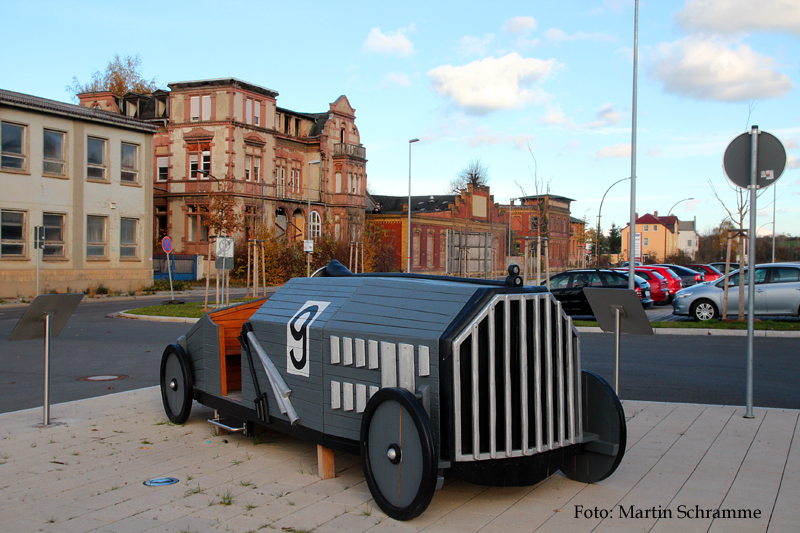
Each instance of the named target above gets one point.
<point>659,237</point>
<point>289,171</point>
<point>462,234</point>
<point>546,216</point>
<point>86,176</point>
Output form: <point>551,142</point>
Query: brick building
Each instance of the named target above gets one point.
<point>547,215</point>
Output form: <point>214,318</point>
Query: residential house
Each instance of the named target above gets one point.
<point>660,237</point>
<point>85,175</point>
<point>546,216</point>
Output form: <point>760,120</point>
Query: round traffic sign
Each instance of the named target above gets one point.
<point>166,244</point>
<point>771,160</point>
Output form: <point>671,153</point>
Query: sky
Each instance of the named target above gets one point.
<point>540,92</point>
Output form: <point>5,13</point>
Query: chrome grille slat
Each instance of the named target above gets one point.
<point>522,415</point>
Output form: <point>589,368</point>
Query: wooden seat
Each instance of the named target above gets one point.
<point>230,321</point>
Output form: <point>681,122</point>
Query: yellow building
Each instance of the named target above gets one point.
<point>658,237</point>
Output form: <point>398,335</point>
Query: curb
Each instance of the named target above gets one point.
<point>184,320</point>
<point>707,332</point>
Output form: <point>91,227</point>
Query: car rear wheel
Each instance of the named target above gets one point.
<point>703,310</point>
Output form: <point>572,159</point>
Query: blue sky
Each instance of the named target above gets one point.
<point>504,82</point>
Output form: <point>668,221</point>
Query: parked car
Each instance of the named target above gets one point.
<point>567,287</point>
<point>673,280</point>
<point>777,292</point>
<point>688,276</point>
<point>710,273</point>
<point>659,286</point>
<point>721,266</point>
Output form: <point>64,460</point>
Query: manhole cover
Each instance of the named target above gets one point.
<point>109,377</point>
<point>160,481</point>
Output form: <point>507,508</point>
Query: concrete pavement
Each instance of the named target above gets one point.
<point>683,463</point>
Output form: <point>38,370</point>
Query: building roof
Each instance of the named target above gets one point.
<point>686,225</point>
<point>553,196</point>
<point>393,205</point>
<point>217,82</point>
<point>89,114</point>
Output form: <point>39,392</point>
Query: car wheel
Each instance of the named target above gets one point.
<point>703,310</point>
<point>177,387</point>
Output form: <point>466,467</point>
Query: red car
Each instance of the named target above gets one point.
<point>659,286</point>
<point>711,273</point>
<point>673,280</point>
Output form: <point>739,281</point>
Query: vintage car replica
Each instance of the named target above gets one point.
<point>424,377</point>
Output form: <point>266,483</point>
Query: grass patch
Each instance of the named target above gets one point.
<point>187,310</point>
<point>762,325</point>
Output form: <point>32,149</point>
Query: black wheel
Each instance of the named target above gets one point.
<point>176,384</point>
<point>513,269</point>
<point>604,418</point>
<point>703,310</point>
<point>398,453</point>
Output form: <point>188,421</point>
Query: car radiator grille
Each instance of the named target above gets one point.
<point>516,380</point>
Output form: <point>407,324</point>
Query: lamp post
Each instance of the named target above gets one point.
<point>676,227</point>
<point>676,203</point>
<point>597,236</point>
<point>308,222</point>
<point>408,244</point>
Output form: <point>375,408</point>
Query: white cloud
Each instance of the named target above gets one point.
<point>559,36</point>
<point>491,84</point>
<point>520,25</point>
<point>654,151</point>
<point>390,43</point>
<point>705,69</point>
<point>618,150</point>
<point>791,144</point>
<point>475,45</point>
<point>741,16</point>
<point>520,142</point>
<point>607,116</point>
<point>396,79</point>
<point>792,161</point>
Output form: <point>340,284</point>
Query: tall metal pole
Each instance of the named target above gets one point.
<point>46,369</point>
<point>751,268</point>
<point>774,199</point>
<point>632,232</point>
<point>408,230</point>
<point>308,222</point>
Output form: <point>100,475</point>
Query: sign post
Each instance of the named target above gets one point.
<point>38,244</point>
<point>753,160</point>
<point>166,245</point>
<point>224,261</point>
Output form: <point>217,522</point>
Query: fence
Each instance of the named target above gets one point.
<point>184,267</point>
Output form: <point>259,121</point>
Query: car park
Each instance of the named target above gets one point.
<point>710,273</point>
<point>777,293</point>
<point>688,276</point>
<point>659,286</point>
<point>567,287</point>
<point>673,280</point>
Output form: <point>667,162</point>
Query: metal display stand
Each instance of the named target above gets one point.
<point>45,318</point>
<point>618,311</point>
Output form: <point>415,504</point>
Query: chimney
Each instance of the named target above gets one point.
<point>655,214</point>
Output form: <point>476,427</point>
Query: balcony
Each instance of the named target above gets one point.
<point>356,151</point>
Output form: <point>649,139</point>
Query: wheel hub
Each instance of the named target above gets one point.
<point>173,384</point>
<point>394,454</point>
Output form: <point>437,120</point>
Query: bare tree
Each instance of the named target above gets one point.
<point>475,173</point>
<point>541,189</point>
<point>122,75</point>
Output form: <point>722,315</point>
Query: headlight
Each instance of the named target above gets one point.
<point>683,294</point>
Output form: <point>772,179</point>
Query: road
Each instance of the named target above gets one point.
<point>692,369</point>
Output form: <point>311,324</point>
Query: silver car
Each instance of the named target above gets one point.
<point>777,292</point>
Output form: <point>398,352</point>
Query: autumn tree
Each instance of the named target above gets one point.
<point>122,75</point>
<point>475,173</point>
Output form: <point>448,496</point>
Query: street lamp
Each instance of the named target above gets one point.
<point>676,203</point>
<point>597,236</point>
<point>308,222</point>
<point>408,244</point>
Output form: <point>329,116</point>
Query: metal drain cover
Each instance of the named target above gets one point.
<point>108,377</point>
<point>160,481</point>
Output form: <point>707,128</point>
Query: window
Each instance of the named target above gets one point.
<point>198,232</point>
<point>197,162</point>
<point>281,179</point>
<point>785,275</point>
<point>128,242</point>
<point>53,234</point>
<point>646,227</point>
<point>655,227</point>
<point>129,173</point>
<point>248,163</point>
<point>96,158</point>
<point>534,222</point>
<point>95,237</point>
<point>12,232</point>
<point>12,153</point>
<point>315,229</point>
<point>53,153</point>
<point>200,107</point>
<point>256,169</point>
<point>645,241</point>
<point>256,113</point>
<point>162,163</point>
<point>252,112</point>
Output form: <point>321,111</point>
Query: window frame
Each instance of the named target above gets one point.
<point>103,166</point>
<point>51,243</point>
<point>159,167</point>
<point>52,160</point>
<point>23,153</point>
<point>123,170</point>
<point>125,245</point>
<point>315,225</point>
<point>101,244</point>
<point>22,242</point>
<point>195,226</point>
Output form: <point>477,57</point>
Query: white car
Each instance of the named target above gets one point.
<point>777,292</point>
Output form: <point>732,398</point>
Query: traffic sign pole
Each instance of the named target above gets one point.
<point>166,245</point>
<point>751,288</point>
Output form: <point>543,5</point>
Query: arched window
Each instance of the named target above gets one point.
<point>316,225</point>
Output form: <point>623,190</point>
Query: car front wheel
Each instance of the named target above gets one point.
<point>704,310</point>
